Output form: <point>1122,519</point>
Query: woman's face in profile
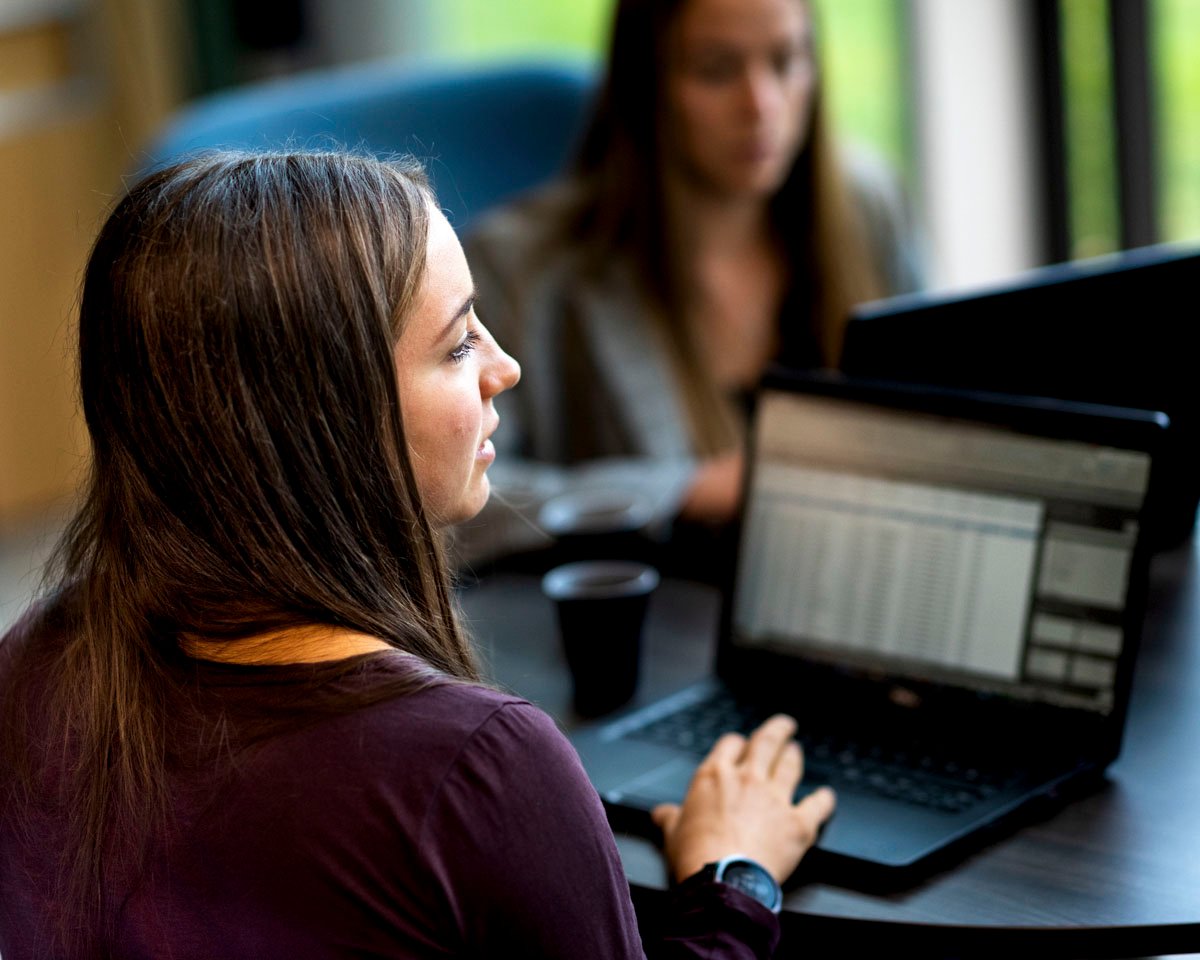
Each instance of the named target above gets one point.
<point>739,87</point>
<point>448,369</point>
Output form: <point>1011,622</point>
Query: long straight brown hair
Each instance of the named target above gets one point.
<point>621,165</point>
<point>249,473</point>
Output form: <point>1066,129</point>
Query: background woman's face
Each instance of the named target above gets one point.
<point>739,88</point>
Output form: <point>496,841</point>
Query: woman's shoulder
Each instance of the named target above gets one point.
<point>541,209</point>
<point>529,227</point>
<point>462,718</point>
<point>398,693</point>
<point>41,626</point>
<point>878,194</point>
<point>873,181</point>
<point>416,730</point>
<point>441,717</point>
<point>460,704</point>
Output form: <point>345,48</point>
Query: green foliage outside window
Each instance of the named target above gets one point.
<point>490,29</point>
<point>1090,137</point>
<point>861,43</point>
<point>1175,53</point>
<point>866,75</point>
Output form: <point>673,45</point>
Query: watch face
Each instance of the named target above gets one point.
<point>753,880</point>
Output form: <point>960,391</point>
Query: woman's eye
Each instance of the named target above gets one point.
<point>715,70</point>
<point>795,59</point>
<point>463,350</point>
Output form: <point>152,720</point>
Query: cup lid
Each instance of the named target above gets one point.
<point>588,579</point>
<point>594,512</point>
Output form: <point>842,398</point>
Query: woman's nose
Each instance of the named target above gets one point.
<point>760,91</point>
<point>501,372</point>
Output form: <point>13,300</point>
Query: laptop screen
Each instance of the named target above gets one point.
<point>939,549</point>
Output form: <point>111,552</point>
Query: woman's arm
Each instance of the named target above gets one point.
<point>519,840</point>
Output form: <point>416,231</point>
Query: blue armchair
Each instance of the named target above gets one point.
<point>484,133</point>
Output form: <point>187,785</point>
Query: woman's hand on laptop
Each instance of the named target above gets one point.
<point>740,802</point>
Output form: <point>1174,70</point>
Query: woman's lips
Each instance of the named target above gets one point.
<point>486,451</point>
<point>756,153</point>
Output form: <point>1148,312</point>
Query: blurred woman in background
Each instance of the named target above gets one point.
<point>708,229</point>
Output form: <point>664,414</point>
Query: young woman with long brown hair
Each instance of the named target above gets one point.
<point>708,228</point>
<point>243,720</point>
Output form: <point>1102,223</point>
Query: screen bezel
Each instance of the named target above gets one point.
<point>785,677</point>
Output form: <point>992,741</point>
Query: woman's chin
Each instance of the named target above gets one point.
<point>468,507</point>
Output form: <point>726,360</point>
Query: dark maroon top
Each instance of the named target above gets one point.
<point>451,822</point>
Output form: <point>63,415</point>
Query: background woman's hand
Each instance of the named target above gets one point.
<point>740,801</point>
<point>716,490</point>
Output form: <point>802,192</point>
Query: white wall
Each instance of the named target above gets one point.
<point>975,137</point>
<point>349,30</point>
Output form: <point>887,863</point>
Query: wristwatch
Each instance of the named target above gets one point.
<point>747,875</point>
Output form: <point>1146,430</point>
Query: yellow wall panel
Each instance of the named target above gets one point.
<point>35,56</point>
<point>56,182</point>
<point>77,100</point>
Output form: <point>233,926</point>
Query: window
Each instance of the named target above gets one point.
<point>485,29</point>
<point>1174,29</point>
<point>1130,179</point>
<point>861,44</point>
<point>866,74</point>
<point>1093,218</point>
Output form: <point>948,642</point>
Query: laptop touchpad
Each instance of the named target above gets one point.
<point>664,784</point>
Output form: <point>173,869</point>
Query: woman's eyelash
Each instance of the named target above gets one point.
<point>460,353</point>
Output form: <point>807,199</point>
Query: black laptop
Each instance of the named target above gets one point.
<point>945,589</point>
<point>1112,329</point>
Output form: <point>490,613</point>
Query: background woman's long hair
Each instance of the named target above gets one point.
<point>621,165</point>
<point>236,336</point>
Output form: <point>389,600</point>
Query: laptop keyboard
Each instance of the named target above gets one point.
<point>904,770</point>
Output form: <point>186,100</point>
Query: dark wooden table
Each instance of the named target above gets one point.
<point>1115,873</point>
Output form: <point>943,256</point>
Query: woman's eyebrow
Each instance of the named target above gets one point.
<point>458,315</point>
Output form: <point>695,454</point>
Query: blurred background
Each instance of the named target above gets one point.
<point>1026,132</point>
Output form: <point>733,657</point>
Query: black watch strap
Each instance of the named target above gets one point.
<point>748,876</point>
